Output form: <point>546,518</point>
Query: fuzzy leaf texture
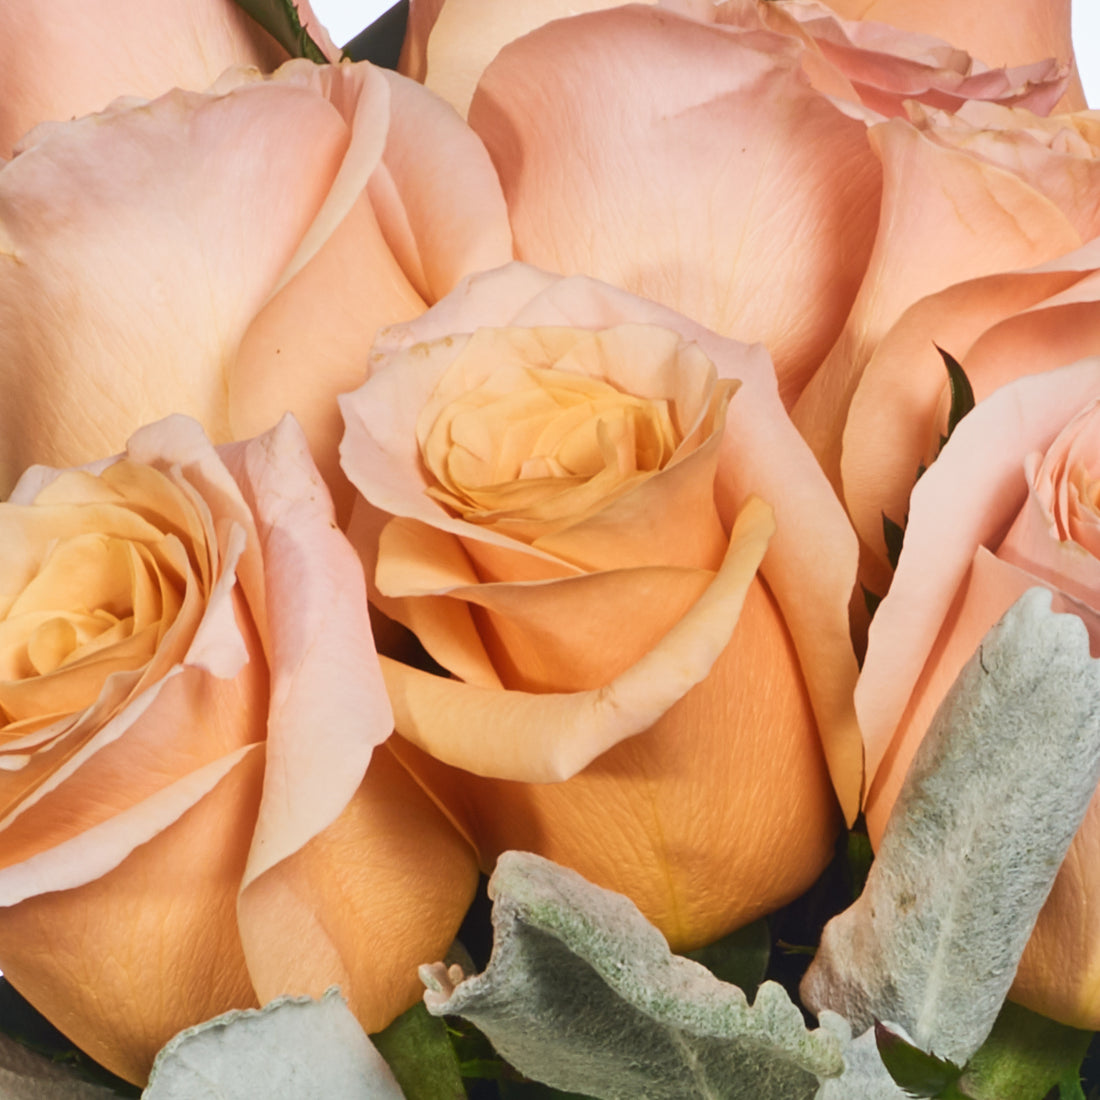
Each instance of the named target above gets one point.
<point>989,807</point>
<point>583,994</point>
<point>293,1049</point>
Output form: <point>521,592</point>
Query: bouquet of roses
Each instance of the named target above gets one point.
<point>647,454</point>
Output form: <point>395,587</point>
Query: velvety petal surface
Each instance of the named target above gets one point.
<point>69,58</point>
<point>951,210</point>
<point>685,189</point>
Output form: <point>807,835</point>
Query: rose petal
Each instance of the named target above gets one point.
<point>161,911</point>
<point>686,189</point>
<point>364,902</point>
<point>71,59</point>
<point>547,737</point>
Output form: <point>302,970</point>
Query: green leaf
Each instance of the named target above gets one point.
<point>280,19</point>
<point>916,1072</point>
<point>989,806</point>
<point>293,1049</point>
<point>583,994</point>
<point>418,1050</point>
<point>894,534</point>
<point>741,958</point>
<point>962,395</point>
<point>1025,1056</point>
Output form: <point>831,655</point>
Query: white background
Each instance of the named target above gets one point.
<point>346,18</point>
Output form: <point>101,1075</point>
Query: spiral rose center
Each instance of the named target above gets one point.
<point>97,583</point>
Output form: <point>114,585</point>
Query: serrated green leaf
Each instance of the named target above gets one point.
<point>962,394</point>
<point>990,804</point>
<point>280,19</point>
<point>894,535</point>
<point>583,994</point>
<point>1025,1056</point>
<point>915,1071</point>
<point>418,1050</point>
<point>741,958</point>
<point>293,1049</point>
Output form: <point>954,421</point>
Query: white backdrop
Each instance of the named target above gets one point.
<point>346,18</point>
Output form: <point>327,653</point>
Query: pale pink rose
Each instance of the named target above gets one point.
<point>190,699</point>
<point>228,255</point>
<point>1031,31</point>
<point>965,195</point>
<point>598,517</point>
<point>688,163</point>
<point>1009,504</point>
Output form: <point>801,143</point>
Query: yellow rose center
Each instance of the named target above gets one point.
<point>92,583</point>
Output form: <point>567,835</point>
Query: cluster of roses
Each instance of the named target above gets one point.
<point>633,321</point>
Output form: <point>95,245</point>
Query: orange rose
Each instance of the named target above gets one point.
<point>1009,504</point>
<point>651,668</point>
<point>189,700</point>
<point>228,255</point>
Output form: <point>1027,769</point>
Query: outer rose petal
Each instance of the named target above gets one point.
<point>1037,29</point>
<point>999,327</point>
<point>84,957</point>
<point>450,42</point>
<point>947,215</point>
<point>687,190</point>
<point>364,903</point>
<point>229,216</point>
<point>662,848</point>
<point>70,58</point>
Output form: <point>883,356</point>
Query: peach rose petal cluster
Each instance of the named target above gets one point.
<point>596,516</point>
<point>189,701</point>
<point>260,232</point>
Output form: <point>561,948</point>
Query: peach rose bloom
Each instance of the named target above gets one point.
<point>965,195</point>
<point>1010,503</point>
<point>189,700</point>
<point>597,517</point>
<point>228,255</point>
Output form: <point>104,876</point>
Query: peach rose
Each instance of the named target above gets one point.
<point>190,698</point>
<point>596,516</point>
<point>965,195</point>
<point>1010,503</point>
<point>227,254</point>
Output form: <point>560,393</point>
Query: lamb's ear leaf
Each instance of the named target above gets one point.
<point>991,802</point>
<point>293,1049</point>
<point>582,993</point>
